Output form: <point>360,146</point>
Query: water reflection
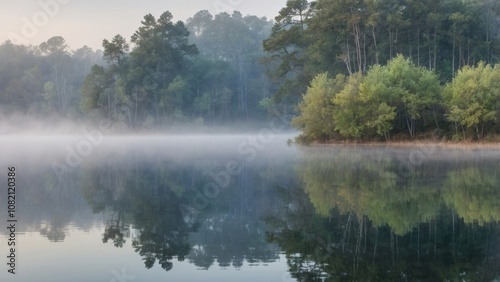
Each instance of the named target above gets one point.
<point>366,222</point>
<point>143,196</point>
<point>336,212</point>
<point>474,193</point>
<point>157,199</point>
<point>368,183</point>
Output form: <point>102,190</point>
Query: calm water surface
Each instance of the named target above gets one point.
<point>244,208</point>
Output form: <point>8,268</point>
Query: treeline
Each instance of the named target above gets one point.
<point>204,71</point>
<point>349,36</point>
<point>402,101</point>
<point>44,80</point>
<point>396,69</point>
<point>165,79</point>
<point>230,67</point>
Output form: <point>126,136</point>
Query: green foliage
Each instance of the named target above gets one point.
<point>211,68</point>
<point>115,50</point>
<point>44,80</point>
<point>403,88</point>
<point>235,40</point>
<point>370,106</point>
<point>163,80</point>
<point>384,114</point>
<point>54,46</point>
<point>93,87</point>
<point>316,119</point>
<point>286,47</point>
<point>471,98</point>
<point>347,37</point>
<point>146,86</point>
<point>349,115</point>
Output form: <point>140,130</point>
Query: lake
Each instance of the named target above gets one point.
<point>247,208</point>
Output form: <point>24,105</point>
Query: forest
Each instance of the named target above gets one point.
<point>389,70</point>
<point>204,71</point>
<point>348,69</point>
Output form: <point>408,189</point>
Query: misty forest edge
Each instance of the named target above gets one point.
<point>349,70</point>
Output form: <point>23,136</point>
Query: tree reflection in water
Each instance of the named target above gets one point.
<point>146,201</point>
<point>363,222</point>
<point>346,215</point>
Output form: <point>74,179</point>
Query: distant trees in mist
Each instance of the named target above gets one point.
<point>206,71</point>
<point>229,67</point>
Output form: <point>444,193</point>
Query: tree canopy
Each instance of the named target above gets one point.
<point>403,51</point>
<point>387,63</point>
<point>392,99</point>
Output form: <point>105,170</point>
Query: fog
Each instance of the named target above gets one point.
<point>29,142</point>
<point>89,146</point>
<point>68,142</point>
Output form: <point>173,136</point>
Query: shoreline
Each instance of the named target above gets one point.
<point>414,143</point>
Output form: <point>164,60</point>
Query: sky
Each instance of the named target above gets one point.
<point>32,22</point>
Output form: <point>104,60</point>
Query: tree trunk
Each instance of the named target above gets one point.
<point>410,54</point>
<point>418,47</point>
<point>453,56</point>
<point>468,50</point>
<point>346,57</point>
<point>390,44</point>
<point>364,53</point>
<point>435,47</point>
<point>410,124</point>
<point>429,48</point>
<point>357,44</point>
<point>375,44</point>
<point>375,248</point>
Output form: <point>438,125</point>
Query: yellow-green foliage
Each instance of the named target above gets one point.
<point>471,97</point>
<point>362,107</point>
<point>349,115</point>
<point>317,108</point>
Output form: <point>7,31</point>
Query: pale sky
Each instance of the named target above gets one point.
<point>89,22</point>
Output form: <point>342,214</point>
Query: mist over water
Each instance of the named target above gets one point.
<point>255,199</point>
<point>252,198</point>
<point>39,145</point>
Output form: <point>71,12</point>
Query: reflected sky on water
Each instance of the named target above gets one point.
<point>250,208</point>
